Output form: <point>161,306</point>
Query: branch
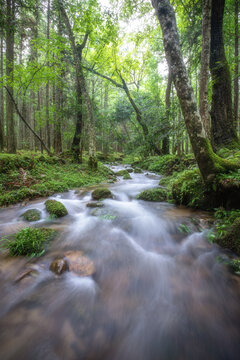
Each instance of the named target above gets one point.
<point>104,77</point>
<point>26,123</point>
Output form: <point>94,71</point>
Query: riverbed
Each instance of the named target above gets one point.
<point>158,290</point>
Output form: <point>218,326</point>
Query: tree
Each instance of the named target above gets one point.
<point>236,68</point>
<point>205,58</point>
<point>209,163</point>
<point>222,130</point>
<point>10,29</point>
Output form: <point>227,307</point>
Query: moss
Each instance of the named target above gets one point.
<point>188,189</point>
<point>101,193</point>
<point>231,239</point>
<point>121,172</point>
<point>127,177</point>
<point>30,242</point>
<point>32,215</point>
<point>56,208</point>
<point>137,171</point>
<point>94,204</point>
<point>156,194</point>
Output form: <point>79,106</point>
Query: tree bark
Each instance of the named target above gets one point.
<point>10,29</point>
<point>236,69</point>
<point>205,59</point>
<point>222,131</point>
<point>166,140</point>
<point>209,163</point>
<point>1,99</point>
<point>48,134</point>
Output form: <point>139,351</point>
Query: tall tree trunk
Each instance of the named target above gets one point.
<point>209,163</point>
<point>223,132</point>
<point>166,140</point>
<point>205,58</point>
<point>81,85</point>
<point>1,99</point>
<point>236,68</point>
<point>48,132</point>
<point>10,28</point>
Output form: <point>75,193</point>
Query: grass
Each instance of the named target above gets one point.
<point>44,176</point>
<point>29,242</point>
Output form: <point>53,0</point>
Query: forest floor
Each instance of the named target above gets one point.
<point>28,176</point>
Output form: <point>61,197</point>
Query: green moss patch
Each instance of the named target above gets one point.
<point>121,172</point>
<point>101,193</point>
<point>155,194</point>
<point>56,208</point>
<point>29,242</point>
<point>127,177</point>
<point>32,215</point>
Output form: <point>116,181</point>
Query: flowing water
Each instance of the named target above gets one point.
<point>156,293</point>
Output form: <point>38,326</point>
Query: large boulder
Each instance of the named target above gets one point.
<point>56,208</point>
<point>101,193</point>
<point>32,215</point>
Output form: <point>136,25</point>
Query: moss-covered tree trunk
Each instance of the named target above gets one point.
<point>166,140</point>
<point>209,163</point>
<point>222,130</point>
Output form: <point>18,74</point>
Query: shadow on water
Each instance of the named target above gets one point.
<point>155,294</point>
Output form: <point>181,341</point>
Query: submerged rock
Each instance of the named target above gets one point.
<point>156,194</point>
<point>59,266</point>
<point>94,204</point>
<point>32,215</point>
<point>101,193</point>
<point>56,208</point>
<point>122,172</point>
<point>137,171</point>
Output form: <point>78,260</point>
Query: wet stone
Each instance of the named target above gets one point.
<point>79,264</point>
<point>32,215</point>
<point>59,266</point>
<point>94,204</point>
<point>101,193</point>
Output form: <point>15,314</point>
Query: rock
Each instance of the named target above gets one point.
<point>94,204</point>
<point>127,176</point>
<point>101,193</point>
<point>32,215</point>
<point>129,170</point>
<point>122,172</point>
<point>56,208</point>
<point>156,194</point>
<point>137,171</point>
<point>79,264</point>
<point>59,266</point>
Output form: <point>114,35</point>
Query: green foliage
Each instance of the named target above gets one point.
<point>188,189</point>
<point>43,176</point>
<point>167,164</point>
<point>235,266</point>
<point>229,237</point>
<point>101,193</point>
<point>184,229</point>
<point>156,194</point>
<point>29,242</point>
<point>56,208</point>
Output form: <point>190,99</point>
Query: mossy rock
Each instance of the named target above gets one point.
<point>30,242</point>
<point>94,204</point>
<point>101,193</point>
<point>56,208</point>
<point>137,171</point>
<point>127,177</point>
<point>122,172</point>
<point>32,215</point>
<point>155,194</point>
<point>231,240</point>
<point>129,171</point>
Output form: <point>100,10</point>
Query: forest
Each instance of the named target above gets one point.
<point>120,122</point>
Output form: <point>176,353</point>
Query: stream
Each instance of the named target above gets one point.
<point>157,293</point>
